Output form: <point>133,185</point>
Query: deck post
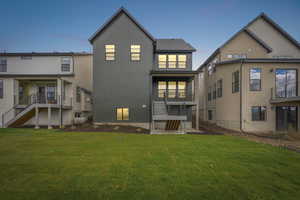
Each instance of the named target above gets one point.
<point>49,117</point>
<point>36,117</point>
<point>60,112</point>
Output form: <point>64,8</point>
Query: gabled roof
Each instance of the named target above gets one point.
<point>120,11</point>
<point>251,34</point>
<point>173,45</point>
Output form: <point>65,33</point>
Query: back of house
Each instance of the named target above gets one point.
<point>250,83</point>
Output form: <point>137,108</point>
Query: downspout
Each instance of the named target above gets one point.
<point>241,99</point>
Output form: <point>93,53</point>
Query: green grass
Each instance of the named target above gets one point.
<point>42,164</point>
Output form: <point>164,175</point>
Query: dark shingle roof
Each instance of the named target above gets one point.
<point>175,45</point>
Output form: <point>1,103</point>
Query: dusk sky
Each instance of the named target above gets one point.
<point>66,25</point>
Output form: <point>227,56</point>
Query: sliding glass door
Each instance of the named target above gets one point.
<point>286,118</point>
<point>286,83</point>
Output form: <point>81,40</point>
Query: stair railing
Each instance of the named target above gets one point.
<point>12,113</point>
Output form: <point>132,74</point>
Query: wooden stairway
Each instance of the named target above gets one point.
<point>172,125</point>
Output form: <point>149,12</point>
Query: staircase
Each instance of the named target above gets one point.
<point>13,119</point>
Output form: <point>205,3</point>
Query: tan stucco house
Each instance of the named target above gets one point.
<point>250,83</point>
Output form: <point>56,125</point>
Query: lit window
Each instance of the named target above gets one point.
<point>162,61</point>
<point>1,89</point>
<point>171,89</point>
<point>162,88</point>
<point>255,79</point>
<point>3,65</point>
<point>122,113</point>
<point>172,60</point>
<point>181,61</point>
<point>135,52</point>
<point>110,52</point>
<point>258,113</point>
<point>181,89</point>
<point>65,64</point>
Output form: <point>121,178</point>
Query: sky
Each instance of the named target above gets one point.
<point>66,25</point>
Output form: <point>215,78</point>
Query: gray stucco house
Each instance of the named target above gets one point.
<point>140,80</point>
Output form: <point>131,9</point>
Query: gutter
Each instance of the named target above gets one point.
<point>241,102</point>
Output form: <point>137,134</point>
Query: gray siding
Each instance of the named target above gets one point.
<point>122,83</point>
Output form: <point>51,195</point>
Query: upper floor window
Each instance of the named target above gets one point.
<point>65,64</point>
<point>162,89</point>
<point>162,61</point>
<point>209,94</point>
<point>172,60</point>
<point>181,61</point>
<point>255,79</point>
<point>286,83</point>
<point>3,65</point>
<point>78,94</point>
<point>26,57</point>
<point>122,113</point>
<point>219,88</point>
<point>135,52</point>
<point>1,89</point>
<point>172,89</point>
<point>258,113</point>
<point>235,81</point>
<point>214,91</point>
<point>110,52</point>
<point>236,56</point>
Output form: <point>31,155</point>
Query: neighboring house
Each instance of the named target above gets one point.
<point>140,80</point>
<point>44,88</point>
<point>250,83</point>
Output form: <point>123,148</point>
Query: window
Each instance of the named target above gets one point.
<point>26,57</point>
<point>255,79</point>
<point>286,83</point>
<point>135,52</point>
<point>258,113</point>
<point>3,65</point>
<point>122,113</point>
<point>162,88</point>
<point>172,61</point>
<point>210,115</point>
<point>162,61</point>
<point>235,82</point>
<point>236,56</point>
<point>209,94</point>
<point>181,61</point>
<point>181,89</point>
<point>77,114</point>
<point>171,89</point>
<point>219,88</point>
<point>78,94</point>
<point>1,89</point>
<point>110,52</point>
<point>51,92</point>
<point>215,91</point>
<point>65,64</point>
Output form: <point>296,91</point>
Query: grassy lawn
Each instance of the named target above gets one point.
<point>42,164</point>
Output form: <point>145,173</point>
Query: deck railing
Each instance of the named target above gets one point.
<point>174,94</point>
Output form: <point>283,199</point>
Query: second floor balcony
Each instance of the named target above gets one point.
<point>285,94</point>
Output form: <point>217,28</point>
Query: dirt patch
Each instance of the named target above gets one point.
<point>288,141</point>
<point>107,128</point>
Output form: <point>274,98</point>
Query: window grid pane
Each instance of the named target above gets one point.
<point>135,51</point>
<point>181,61</point>
<point>110,52</point>
<point>172,61</point>
<point>122,113</point>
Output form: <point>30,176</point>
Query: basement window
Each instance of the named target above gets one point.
<point>122,114</point>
